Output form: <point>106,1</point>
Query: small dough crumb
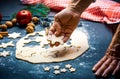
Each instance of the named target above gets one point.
<point>4,53</point>
<point>56,67</point>
<point>57,72</point>
<point>4,45</point>
<point>63,70</point>
<point>72,69</point>
<point>68,66</point>
<point>14,35</point>
<point>47,68</point>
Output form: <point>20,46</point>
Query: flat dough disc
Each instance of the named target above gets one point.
<point>39,54</point>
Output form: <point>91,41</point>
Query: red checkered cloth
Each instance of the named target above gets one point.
<point>106,11</point>
<point>56,4</point>
<point>29,2</point>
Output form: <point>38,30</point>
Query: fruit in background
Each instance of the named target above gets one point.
<point>0,16</point>
<point>24,17</point>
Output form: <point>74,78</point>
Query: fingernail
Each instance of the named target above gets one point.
<point>113,73</point>
<point>97,75</point>
<point>104,75</point>
<point>93,70</point>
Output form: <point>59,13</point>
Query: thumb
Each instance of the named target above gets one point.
<point>57,28</point>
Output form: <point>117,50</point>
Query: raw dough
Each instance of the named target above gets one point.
<point>4,53</point>
<point>54,39</point>
<point>56,67</point>
<point>47,69</point>
<point>56,72</point>
<point>68,66</point>
<point>14,35</point>
<point>40,54</point>
<point>5,45</point>
<point>63,70</point>
<point>72,69</point>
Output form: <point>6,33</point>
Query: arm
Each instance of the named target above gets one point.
<point>67,20</point>
<point>110,63</point>
<point>114,48</point>
<point>79,5</point>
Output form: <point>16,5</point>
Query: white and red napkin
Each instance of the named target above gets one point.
<point>105,11</point>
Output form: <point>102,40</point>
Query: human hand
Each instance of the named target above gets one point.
<point>64,24</point>
<point>107,66</point>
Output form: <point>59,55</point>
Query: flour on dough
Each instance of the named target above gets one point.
<point>43,53</point>
<point>53,39</point>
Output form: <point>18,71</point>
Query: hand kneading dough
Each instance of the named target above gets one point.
<point>40,54</point>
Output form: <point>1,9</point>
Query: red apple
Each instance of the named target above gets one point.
<point>0,16</point>
<point>24,17</point>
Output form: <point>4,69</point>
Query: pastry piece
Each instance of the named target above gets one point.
<point>68,66</point>
<point>56,67</point>
<point>47,69</point>
<point>53,39</point>
<point>14,35</point>
<point>72,69</point>
<point>4,53</point>
<point>63,70</point>
<point>4,45</point>
<point>57,72</point>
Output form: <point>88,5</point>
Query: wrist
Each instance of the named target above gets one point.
<point>113,54</point>
<point>79,6</point>
<point>114,47</point>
